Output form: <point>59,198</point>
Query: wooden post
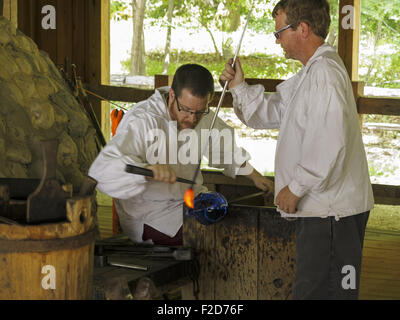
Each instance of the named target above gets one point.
<point>349,38</point>
<point>9,9</point>
<point>97,58</point>
<point>349,34</point>
<point>161,80</point>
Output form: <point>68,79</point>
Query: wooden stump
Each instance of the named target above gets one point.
<point>49,261</point>
<point>250,254</point>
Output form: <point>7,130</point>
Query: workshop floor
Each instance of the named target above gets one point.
<point>380,277</point>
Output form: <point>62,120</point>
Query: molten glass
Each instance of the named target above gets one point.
<point>189,198</point>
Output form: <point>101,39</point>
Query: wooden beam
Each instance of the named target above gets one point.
<point>269,84</point>
<point>386,194</point>
<point>384,106</point>
<point>125,94</point>
<point>383,194</point>
<point>129,94</point>
<point>1,7</point>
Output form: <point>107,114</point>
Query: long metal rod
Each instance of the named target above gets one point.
<point>221,98</point>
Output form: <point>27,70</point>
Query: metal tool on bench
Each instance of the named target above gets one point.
<point>116,262</point>
<point>148,173</point>
<point>101,259</point>
<point>250,196</point>
<point>180,254</point>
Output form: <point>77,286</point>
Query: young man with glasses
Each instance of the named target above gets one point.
<point>321,171</point>
<point>150,135</point>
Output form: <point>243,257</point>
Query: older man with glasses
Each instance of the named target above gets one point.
<point>321,170</point>
<point>158,133</point>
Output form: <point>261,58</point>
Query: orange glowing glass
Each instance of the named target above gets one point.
<point>189,198</point>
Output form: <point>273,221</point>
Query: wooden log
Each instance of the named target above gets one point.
<point>59,255</point>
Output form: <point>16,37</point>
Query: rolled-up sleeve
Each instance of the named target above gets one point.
<point>126,147</point>
<point>255,108</point>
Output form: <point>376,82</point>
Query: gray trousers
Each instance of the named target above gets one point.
<point>328,257</point>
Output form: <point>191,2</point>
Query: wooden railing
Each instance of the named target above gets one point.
<point>384,194</point>
<point>365,105</point>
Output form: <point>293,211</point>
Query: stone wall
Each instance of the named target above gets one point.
<point>37,104</point>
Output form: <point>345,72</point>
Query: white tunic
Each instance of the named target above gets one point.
<point>140,201</point>
<point>320,154</point>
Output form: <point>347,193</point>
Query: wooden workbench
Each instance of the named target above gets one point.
<point>119,283</point>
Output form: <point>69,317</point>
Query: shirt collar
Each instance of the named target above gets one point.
<point>321,50</point>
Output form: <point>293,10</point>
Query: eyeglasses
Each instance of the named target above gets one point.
<point>277,33</point>
<point>196,113</point>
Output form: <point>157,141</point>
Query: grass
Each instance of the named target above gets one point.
<point>254,66</point>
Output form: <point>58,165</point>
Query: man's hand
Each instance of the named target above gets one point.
<point>262,182</point>
<point>235,77</point>
<point>163,173</point>
<point>287,201</point>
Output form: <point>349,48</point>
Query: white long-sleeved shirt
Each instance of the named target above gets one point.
<point>140,201</point>
<point>320,155</point>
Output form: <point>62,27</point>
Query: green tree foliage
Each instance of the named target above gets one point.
<point>379,47</point>
<point>119,10</point>
<point>380,43</point>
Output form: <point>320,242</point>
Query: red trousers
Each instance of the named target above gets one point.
<point>160,238</point>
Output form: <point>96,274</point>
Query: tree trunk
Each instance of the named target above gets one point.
<point>138,66</point>
<point>168,41</point>
<point>373,60</point>
<point>219,55</point>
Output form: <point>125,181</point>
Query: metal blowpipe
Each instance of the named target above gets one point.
<point>222,97</point>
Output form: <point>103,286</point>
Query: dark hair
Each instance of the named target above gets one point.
<point>195,78</point>
<point>313,12</point>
